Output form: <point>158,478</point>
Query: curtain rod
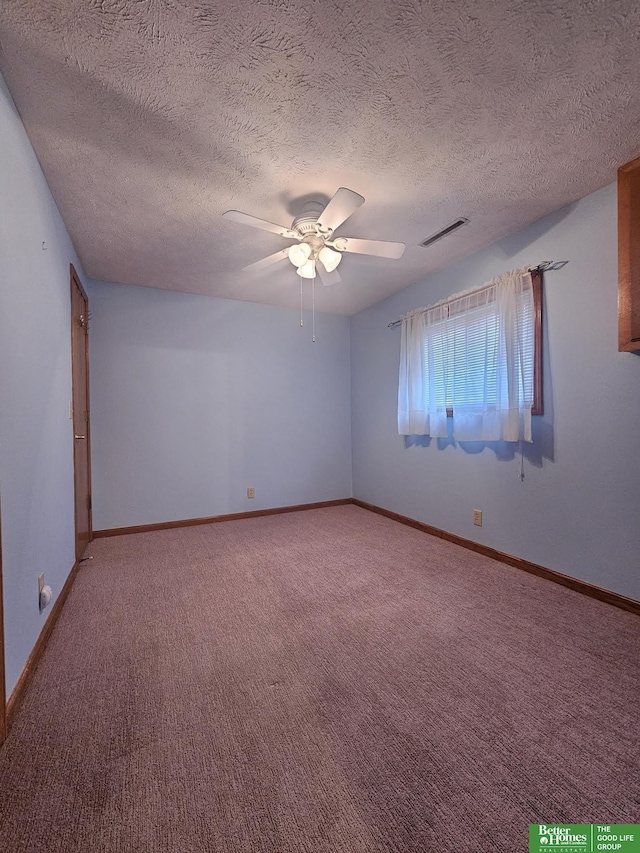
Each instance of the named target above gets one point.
<point>543,266</point>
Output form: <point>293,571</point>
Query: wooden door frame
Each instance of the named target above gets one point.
<point>3,687</point>
<point>75,282</point>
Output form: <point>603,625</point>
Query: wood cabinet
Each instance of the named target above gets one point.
<point>629,257</point>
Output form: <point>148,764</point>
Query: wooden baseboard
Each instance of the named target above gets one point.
<point>29,668</point>
<point>214,519</point>
<point>585,588</point>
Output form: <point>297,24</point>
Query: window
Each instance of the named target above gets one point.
<point>476,357</point>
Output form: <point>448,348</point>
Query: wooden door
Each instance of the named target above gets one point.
<point>3,695</point>
<point>80,411</point>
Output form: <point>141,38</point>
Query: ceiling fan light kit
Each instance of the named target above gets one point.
<point>299,254</point>
<point>307,270</point>
<point>329,258</point>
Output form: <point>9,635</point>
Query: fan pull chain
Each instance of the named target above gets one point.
<point>301,320</point>
<point>313,306</point>
<point>521,474</point>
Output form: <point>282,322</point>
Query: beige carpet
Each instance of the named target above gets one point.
<point>326,681</point>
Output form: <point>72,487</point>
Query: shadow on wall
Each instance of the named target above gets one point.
<point>516,243</point>
<point>535,452</point>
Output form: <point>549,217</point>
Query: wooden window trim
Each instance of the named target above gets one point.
<point>538,400</point>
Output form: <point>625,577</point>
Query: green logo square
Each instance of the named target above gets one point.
<point>584,837</point>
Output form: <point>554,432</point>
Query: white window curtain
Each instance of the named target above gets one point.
<point>473,354</point>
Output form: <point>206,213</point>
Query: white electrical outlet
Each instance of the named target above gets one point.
<point>251,493</point>
<point>477,517</point>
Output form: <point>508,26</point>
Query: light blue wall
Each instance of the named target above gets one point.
<point>194,399</point>
<point>578,509</point>
<point>36,438</point>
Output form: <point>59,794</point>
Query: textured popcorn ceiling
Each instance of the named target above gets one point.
<point>152,117</point>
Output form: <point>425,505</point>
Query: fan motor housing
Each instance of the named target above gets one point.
<point>305,222</point>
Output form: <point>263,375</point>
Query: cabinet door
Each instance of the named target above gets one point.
<point>629,257</point>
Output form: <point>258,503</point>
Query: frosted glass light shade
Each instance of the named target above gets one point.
<point>299,254</point>
<point>329,258</point>
<point>307,270</point>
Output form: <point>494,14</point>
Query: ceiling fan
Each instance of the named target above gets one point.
<point>316,248</point>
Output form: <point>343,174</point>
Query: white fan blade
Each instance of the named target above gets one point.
<point>341,206</point>
<point>380,248</point>
<point>327,278</point>
<point>246,219</point>
<point>280,255</point>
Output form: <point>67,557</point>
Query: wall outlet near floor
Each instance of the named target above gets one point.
<point>251,493</point>
<point>477,517</point>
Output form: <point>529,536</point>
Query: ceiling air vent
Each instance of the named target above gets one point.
<point>444,231</point>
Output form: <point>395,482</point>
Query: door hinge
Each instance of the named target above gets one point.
<point>88,501</point>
